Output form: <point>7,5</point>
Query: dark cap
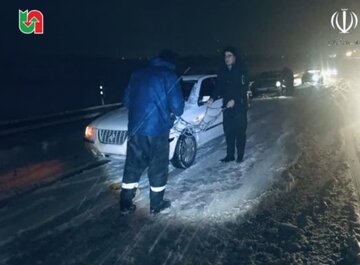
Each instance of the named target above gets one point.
<point>231,49</point>
<point>169,56</point>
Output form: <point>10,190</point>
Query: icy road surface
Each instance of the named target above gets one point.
<point>76,221</point>
<point>294,199</point>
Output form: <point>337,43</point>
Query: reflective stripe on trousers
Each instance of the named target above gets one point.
<point>157,189</point>
<point>130,186</point>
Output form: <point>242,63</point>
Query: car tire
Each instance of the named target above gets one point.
<point>185,151</point>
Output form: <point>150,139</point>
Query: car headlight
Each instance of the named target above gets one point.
<point>330,72</point>
<point>297,81</point>
<point>90,133</point>
<point>278,84</point>
<point>326,72</point>
<point>315,78</point>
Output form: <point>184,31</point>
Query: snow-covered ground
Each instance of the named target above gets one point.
<point>36,158</point>
<point>290,202</point>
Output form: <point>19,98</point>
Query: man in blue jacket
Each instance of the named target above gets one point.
<point>153,98</point>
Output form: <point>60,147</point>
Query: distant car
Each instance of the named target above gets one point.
<point>107,135</point>
<point>268,82</point>
<point>313,77</point>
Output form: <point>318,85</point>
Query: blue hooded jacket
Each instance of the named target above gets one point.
<point>153,97</point>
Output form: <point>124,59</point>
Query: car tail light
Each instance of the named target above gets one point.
<point>90,133</point>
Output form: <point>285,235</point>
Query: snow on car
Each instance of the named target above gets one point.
<point>107,135</point>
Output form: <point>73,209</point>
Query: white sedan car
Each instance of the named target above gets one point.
<point>107,135</point>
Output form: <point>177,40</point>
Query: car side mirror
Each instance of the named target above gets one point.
<point>203,100</point>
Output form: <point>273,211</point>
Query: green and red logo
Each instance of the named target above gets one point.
<point>31,22</point>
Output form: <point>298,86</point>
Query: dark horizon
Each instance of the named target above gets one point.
<point>141,28</point>
<point>83,43</point>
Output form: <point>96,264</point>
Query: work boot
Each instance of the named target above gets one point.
<point>126,201</point>
<point>164,204</point>
<point>157,202</point>
<point>227,159</point>
<point>240,157</point>
<point>127,209</point>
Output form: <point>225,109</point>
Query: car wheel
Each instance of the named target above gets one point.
<point>185,151</point>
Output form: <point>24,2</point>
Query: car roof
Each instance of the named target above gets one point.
<point>195,77</point>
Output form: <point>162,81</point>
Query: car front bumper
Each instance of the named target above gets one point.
<point>119,151</point>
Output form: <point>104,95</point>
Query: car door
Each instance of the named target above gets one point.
<point>211,118</point>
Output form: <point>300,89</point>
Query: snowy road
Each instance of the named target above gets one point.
<point>31,226</point>
<point>349,93</point>
<point>294,199</point>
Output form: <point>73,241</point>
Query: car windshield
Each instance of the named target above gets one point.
<point>186,87</point>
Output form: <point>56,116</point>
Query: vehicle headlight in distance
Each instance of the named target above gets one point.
<point>330,72</point>
<point>297,81</point>
<point>315,77</point>
<point>278,84</point>
<point>90,133</point>
<point>326,72</point>
<point>334,72</point>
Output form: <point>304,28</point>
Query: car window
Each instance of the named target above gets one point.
<point>207,87</point>
<point>186,87</point>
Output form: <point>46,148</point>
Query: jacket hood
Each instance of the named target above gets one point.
<point>157,61</point>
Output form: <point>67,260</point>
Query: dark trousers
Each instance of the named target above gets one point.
<point>145,152</point>
<point>235,124</point>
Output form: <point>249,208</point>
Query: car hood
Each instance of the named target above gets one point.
<point>118,119</point>
<point>114,120</point>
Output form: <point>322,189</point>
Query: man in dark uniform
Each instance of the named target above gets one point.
<point>153,97</point>
<point>287,77</point>
<point>232,86</point>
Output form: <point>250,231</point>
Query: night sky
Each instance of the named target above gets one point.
<point>116,28</point>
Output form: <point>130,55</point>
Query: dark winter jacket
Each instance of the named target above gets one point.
<point>288,76</point>
<point>232,84</point>
<point>153,97</point>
